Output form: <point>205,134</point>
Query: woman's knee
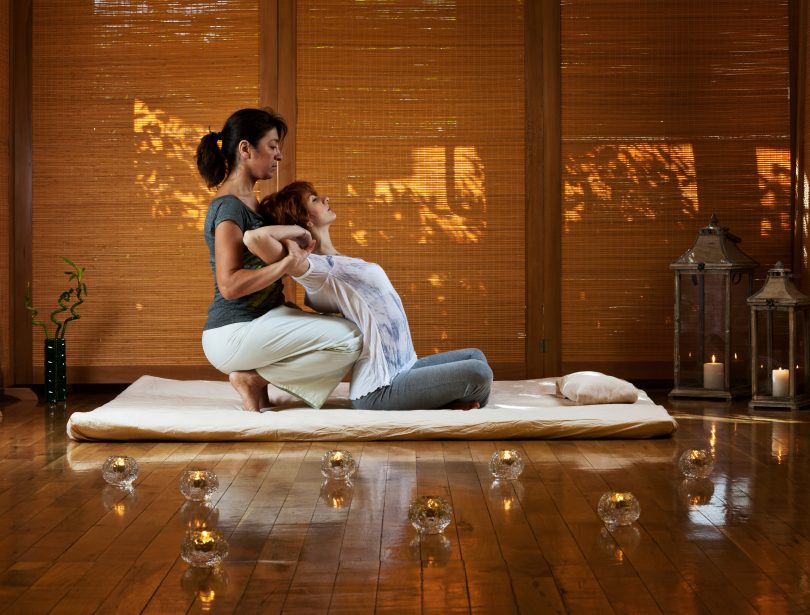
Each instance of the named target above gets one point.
<point>479,372</point>
<point>476,354</point>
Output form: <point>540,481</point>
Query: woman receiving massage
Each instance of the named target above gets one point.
<point>388,375</point>
<point>250,333</point>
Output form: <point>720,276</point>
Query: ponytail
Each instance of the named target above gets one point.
<point>211,161</point>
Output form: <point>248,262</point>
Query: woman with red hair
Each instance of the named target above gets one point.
<point>388,375</point>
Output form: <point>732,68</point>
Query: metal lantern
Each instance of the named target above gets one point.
<point>780,343</point>
<point>713,279</point>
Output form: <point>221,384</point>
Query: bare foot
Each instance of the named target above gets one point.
<point>463,405</point>
<point>277,397</point>
<point>252,388</point>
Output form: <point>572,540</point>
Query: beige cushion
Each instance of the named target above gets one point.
<point>587,388</point>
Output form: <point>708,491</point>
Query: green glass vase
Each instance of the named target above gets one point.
<point>55,370</point>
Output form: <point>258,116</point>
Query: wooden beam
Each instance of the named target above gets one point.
<point>287,95</point>
<point>542,181</point>
<point>21,187</point>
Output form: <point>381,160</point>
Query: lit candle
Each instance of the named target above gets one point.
<point>616,508</point>
<point>506,464</point>
<point>338,464</point>
<point>119,464</point>
<point>198,480</point>
<point>204,540</point>
<point>781,382</point>
<point>713,375</point>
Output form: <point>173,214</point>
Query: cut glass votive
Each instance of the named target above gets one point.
<point>198,485</point>
<point>338,465</point>
<point>696,463</point>
<point>618,508</point>
<point>203,547</point>
<point>430,514</point>
<point>120,471</point>
<point>506,464</point>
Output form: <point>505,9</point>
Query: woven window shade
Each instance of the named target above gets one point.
<point>411,118</point>
<point>5,316</point>
<point>122,93</point>
<point>670,111</point>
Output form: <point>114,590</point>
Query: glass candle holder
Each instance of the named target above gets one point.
<point>430,514</point>
<point>203,548</point>
<point>618,508</point>
<point>506,464</point>
<point>120,471</point>
<point>338,465</point>
<point>198,485</point>
<point>696,463</point>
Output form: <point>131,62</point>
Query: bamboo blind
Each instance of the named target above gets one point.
<point>411,118</point>
<point>122,94</point>
<point>5,314</point>
<point>670,111</point>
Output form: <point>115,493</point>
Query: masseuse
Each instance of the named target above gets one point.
<point>266,347</point>
<point>388,375</point>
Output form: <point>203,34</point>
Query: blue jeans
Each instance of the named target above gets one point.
<point>434,382</point>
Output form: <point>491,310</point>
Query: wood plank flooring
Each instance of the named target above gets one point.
<point>738,542</point>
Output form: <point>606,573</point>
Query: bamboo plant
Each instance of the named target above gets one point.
<point>67,303</point>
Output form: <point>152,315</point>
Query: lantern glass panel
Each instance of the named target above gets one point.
<point>773,346</point>
<point>714,337</point>
<point>800,353</point>
<point>741,289</point>
<point>690,340</point>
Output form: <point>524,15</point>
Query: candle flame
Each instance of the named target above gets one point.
<point>713,359</point>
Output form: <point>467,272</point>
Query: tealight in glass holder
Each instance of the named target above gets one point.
<point>198,485</point>
<point>506,464</point>
<point>339,465</point>
<point>203,548</point>
<point>618,508</point>
<point>430,514</point>
<point>120,471</point>
<point>696,463</point>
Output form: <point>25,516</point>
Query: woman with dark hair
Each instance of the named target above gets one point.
<point>388,375</point>
<point>250,334</point>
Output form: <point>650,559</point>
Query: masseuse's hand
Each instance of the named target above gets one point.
<point>298,255</point>
<point>303,239</point>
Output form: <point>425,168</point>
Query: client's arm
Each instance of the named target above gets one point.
<point>268,242</point>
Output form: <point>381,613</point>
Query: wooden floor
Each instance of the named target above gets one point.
<point>737,543</point>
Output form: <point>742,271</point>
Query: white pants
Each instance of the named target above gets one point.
<point>302,353</point>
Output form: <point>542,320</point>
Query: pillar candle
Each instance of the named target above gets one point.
<point>713,375</point>
<point>781,382</point>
